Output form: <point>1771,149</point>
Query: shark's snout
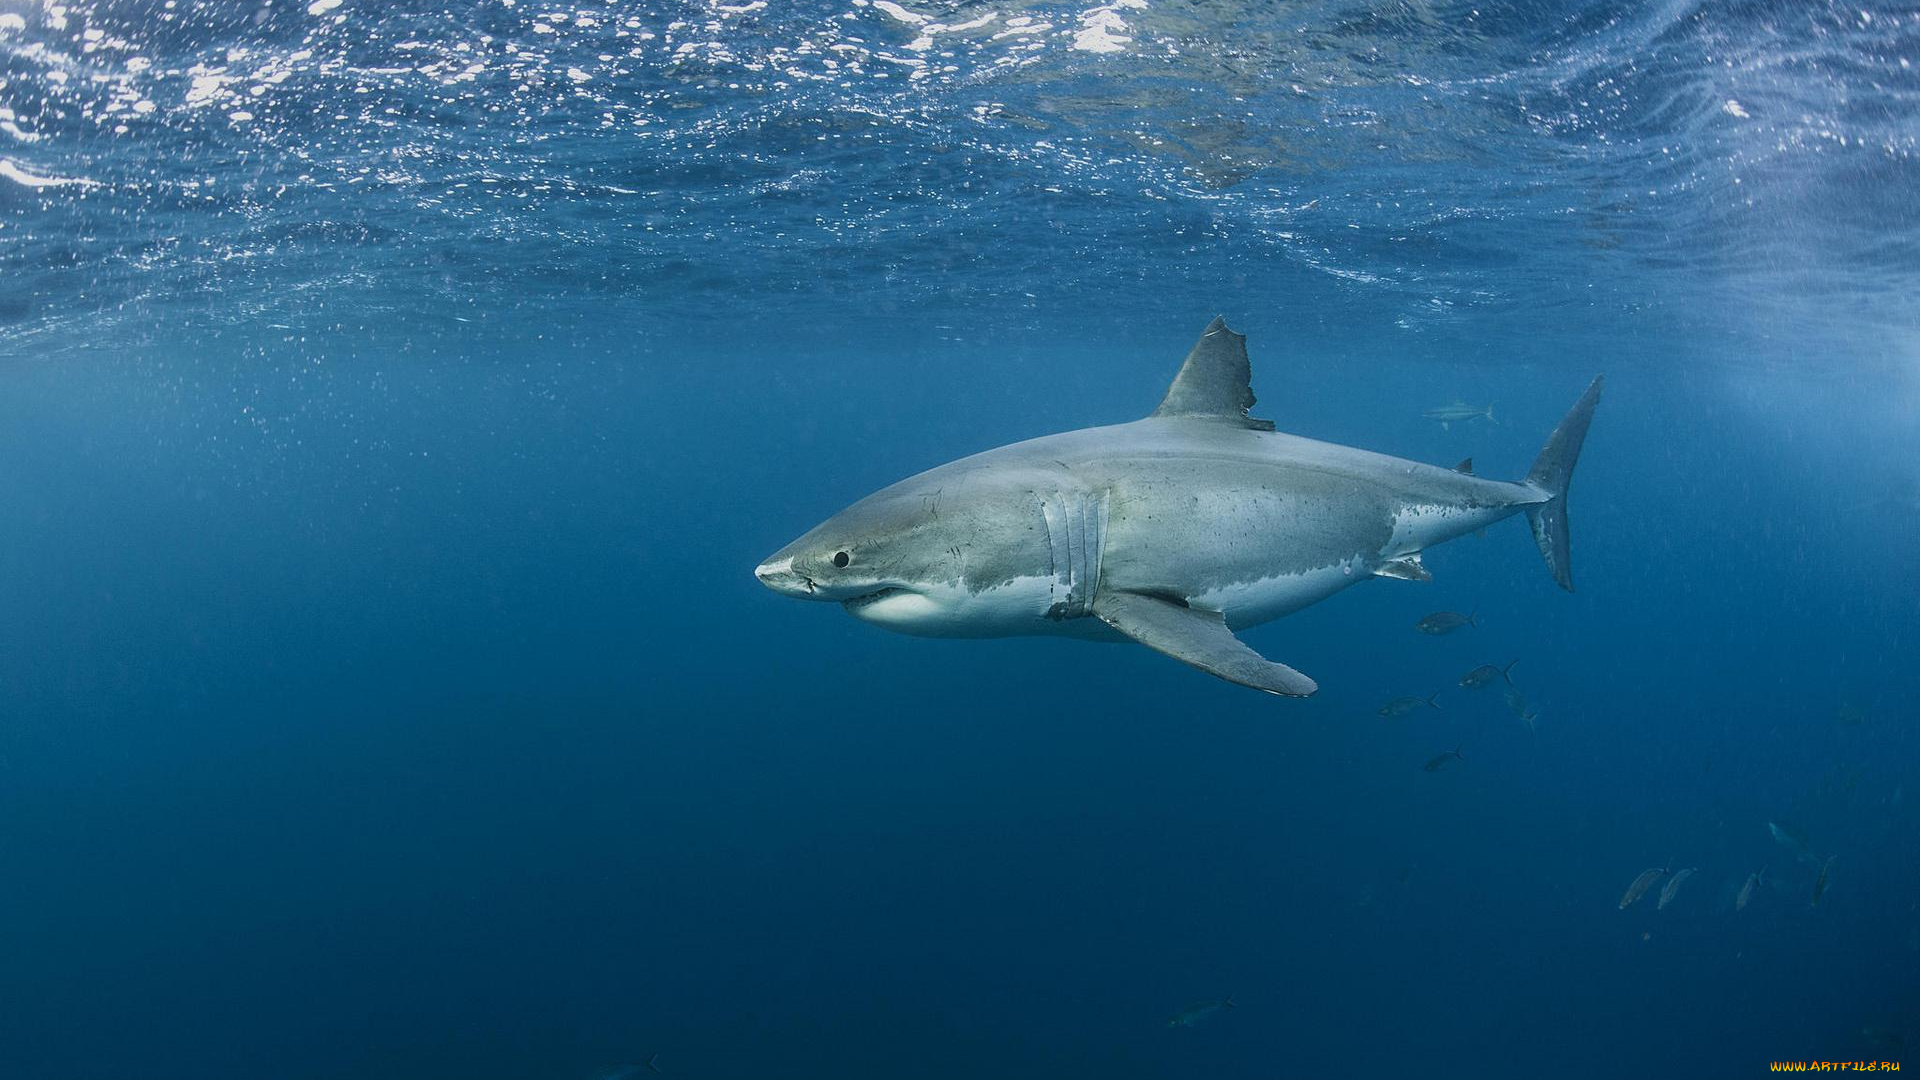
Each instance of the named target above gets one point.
<point>779,575</point>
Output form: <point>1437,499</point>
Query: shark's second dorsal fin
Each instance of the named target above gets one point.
<point>1465,466</point>
<point>1214,382</point>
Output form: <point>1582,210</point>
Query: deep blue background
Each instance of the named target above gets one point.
<point>449,734</point>
<point>384,455</point>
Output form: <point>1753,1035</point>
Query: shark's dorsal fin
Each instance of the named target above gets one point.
<point>1215,381</point>
<point>1465,466</point>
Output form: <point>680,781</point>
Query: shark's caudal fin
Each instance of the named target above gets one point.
<point>1552,472</point>
<point>1215,382</point>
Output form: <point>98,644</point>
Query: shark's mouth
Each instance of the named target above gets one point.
<point>855,603</point>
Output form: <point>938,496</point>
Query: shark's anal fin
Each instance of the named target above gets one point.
<point>1199,638</point>
<point>1406,568</point>
<point>1215,382</point>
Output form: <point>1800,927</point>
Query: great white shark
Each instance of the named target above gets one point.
<point>1174,531</point>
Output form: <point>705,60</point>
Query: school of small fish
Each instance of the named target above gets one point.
<point>1440,623</point>
<point>1755,884</point>
<point>1787,836</point>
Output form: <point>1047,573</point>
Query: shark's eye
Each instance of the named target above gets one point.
<point>841,559</point>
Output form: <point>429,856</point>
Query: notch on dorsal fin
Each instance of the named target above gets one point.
<point>1214,382</point>
<point>1465,466</point>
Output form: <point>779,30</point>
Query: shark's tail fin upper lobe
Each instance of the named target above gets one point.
<point>1552,472</point>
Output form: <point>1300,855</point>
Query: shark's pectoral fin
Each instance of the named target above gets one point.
<point>1406,568</point>
<point>1199,638</point>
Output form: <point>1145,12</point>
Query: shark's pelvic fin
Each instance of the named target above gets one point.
<point>1215,382</point>
<point>1406,568</point>
<point>1199,638</point>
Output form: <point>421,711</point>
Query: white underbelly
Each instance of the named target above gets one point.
<point>1022,607</point>
<point>1250,603</point>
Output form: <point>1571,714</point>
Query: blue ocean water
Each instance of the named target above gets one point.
<point>396,397</point>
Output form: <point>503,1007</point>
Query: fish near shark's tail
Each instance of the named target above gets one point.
<point>1552,472</point>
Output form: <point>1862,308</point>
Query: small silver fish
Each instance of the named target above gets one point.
<point>1754,881</point>
<point>1401,706</point>
<point>1517,702</point>
<point>652,1065</point>
<point>1443,758</point>
<point>1672,888</point>
<point>1641,884</point>
<point>1459,411</point>
<point>1485,674</point>
<point>1887,1038</point>
<point>1793,838</point>
<point>1446,622</point>
<point>1195,1013</point>
<point>1820,883</point>
<point>1788,835</point>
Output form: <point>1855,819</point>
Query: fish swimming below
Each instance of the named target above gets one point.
<point>1485,674</point>
<point>1672,887</point>
<point>1794,839</point>
<point>1887,1038</point>
<point>1820,883</point>
<point>651,1065</point>
<point>1443,757</point>
<point>1445,622</point>
<point>1788,835</point>
<point>1458,412</point>
<point>1641,884</point>
<point>1193,1014</point>
<point>1754,881</point>
<point>1401,706</point>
